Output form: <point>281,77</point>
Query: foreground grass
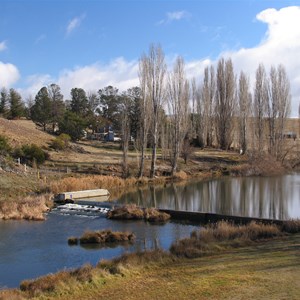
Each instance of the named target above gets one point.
<point>258,268</point>
<point>268,270</point>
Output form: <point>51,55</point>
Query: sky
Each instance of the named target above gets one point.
<point>93,44</point>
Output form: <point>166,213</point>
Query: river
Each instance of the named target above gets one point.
<point>32,249</point>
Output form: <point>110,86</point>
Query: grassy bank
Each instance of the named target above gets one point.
<point>246,262</point>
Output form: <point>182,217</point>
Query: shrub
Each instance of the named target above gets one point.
<point>61,142</point>
<point>31,153</point>
<point>4,145</point>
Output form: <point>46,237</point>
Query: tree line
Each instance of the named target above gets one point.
<point>168,111</point>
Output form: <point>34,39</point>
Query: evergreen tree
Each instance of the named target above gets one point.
<point>17,108</point>
<point>41,110</point>
<point>79,102</point>
<point>73,125</point>
<point>4,99</point>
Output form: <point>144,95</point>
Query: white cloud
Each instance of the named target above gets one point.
<point>119,73</point>
<point>280,45</point>
<point>9,74</point>
<point>174,16</point>
<point>74,23</point>
<point>3,46</point>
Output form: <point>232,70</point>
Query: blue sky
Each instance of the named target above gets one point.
<point>91,44</point>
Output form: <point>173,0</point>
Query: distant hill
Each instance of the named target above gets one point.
<point>23,132</point>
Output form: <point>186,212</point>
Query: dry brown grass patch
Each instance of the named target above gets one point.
<point>291,226</point>
<point>69,184</point>
<point>133,212</point>
<point>28,208</point>
<point>126,212</point>
<point>208,240</point>
<point>106,236</point>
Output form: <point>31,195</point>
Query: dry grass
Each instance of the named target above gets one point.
<point>153,215</point>
<point>90,182</point>
<point>106,236</point>
<point>126,212</point>
<point>291,226</point>
<point>24,132</point>
<point>133,212</point>
<point>208,240</point>
<point>28,208</point>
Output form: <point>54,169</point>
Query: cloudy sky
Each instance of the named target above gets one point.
<point>92,44</point>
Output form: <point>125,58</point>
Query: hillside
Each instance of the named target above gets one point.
<point>23,132</point>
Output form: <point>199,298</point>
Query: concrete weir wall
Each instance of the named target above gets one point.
<point>81,194</point>
<point>205,218</point>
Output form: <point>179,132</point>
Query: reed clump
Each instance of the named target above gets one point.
<point>53,282</point>
<point>28,208</point>
<point>222,234</point>
<point>291,226</point>
<point>106,236</point>
<point>69,184</point>
<point>154,215</point>
<point>126,212</point>
<point>133,212</point>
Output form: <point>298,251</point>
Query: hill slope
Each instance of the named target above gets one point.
<point>23,132</point>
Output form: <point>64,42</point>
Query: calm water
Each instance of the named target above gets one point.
<point>31,249</point>
<point>262,197</point>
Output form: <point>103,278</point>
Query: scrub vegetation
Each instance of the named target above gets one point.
<point>103,237</point>
<point>133,212</point>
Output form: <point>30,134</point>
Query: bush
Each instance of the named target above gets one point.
<point>31,153</point>
<point>4,145</point>
<point>61,142</point>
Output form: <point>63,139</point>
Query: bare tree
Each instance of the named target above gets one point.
<point>225,103</point>
<point>260,104</point>
<point>278,108</point>
<point>208,96</point>
<point>57,104</point>
<point>244,105</point>
<point>125,128</point>
<point>145,114</point>
<point>178,103</point>
<point>198,116</point>
<point>154,70</point>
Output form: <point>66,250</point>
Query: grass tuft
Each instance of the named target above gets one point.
<point>208,240</point>
<point>28,208</point>
<point>133,212</point>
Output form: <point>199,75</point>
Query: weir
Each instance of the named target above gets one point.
<point>206,218</point>
<point>81,194</point>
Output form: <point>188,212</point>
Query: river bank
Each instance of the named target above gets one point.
<point>230,268</point>
<point>20,189</point>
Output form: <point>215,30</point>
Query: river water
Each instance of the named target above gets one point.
<point>32,249</point>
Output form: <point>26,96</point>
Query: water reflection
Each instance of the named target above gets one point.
<point>275,197</point>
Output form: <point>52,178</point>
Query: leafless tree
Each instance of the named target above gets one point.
<point>146,116</point>
<point>178,104</point>
<point>208,96</point>
<point>125,129</point>
<point>278,108</point>
<point>225,103</point>
<point>57,104</point>
<point>260,105</point>
<point>198,116</point>
<point>244,105</point>
<point>153,70</point>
